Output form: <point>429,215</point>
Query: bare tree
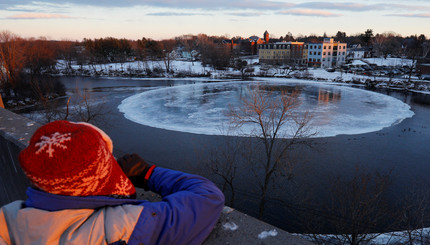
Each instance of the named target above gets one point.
<point>358,212</point>
<point>168,54</point>
<point>414,214</point>
<point>81,106</point>
<point>241,65</point>
<point>278,128</point>
<point>88,109</point>
<point>11,61</point>
<point>223,162</point>
<point>67,51</point>
<point>40,56</point>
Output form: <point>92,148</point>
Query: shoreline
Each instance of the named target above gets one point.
<point>185,70</point>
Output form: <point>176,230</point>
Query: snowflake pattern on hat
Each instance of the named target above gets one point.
<point>56,140</point>
<point>123,187</point>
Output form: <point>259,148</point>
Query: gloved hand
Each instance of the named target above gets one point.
<point>137,169</point>
<point>132,165</point>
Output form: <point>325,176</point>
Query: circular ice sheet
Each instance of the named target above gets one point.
<point>202,108</point>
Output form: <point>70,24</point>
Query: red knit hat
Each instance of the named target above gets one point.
<point>74,159</point>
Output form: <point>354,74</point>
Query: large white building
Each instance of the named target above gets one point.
<point>327,54</point>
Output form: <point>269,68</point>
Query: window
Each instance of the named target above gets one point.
<point>319,53</point>
<point>323,59</point>
<point>329,53</point>
<point>325,47</point>
<point>323,53</point>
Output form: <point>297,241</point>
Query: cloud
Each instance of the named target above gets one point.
<point>280,5</point>
<point>239,14</point>
<point>345,6</point>
<point>260,5</point>
<point>182,4</point>
<point>175,14</point>
<point>309,12</point>
<point>409,7</point>
<point>38,7</point>
<point>39,16</point>
<point>426,15</point>
<point>360,7</point>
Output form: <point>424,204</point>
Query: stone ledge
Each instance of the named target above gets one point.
<point>15,128</point>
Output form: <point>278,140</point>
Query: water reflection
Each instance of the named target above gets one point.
<point>326,96</point>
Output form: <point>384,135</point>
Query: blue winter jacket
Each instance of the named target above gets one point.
<point>189,209</point>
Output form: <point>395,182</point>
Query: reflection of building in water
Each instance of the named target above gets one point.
<point>326,96</point>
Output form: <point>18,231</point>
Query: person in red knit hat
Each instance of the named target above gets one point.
<point>81,195</point>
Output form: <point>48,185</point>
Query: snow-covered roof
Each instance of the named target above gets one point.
<point>358,63</point>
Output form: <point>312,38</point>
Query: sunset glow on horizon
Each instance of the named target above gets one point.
<point>134,19</point>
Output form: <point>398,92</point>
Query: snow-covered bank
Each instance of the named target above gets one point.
<point>178,69</point>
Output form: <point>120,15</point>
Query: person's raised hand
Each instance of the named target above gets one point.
<point>136,169</point>
<point>132,165</point>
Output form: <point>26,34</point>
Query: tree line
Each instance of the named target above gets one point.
<point>22,63</point>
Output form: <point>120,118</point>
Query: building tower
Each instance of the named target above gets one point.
<point>266,37</point>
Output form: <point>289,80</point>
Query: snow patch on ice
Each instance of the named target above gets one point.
<point>227,210</point>
<point>266,234</point>
<point>230,226</point>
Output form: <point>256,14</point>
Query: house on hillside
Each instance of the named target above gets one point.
<point>255,41</point>
<point>357,52</point>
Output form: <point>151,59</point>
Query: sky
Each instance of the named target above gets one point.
<point>162,19</point>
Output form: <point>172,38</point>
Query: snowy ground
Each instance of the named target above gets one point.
<point>389,61</point>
